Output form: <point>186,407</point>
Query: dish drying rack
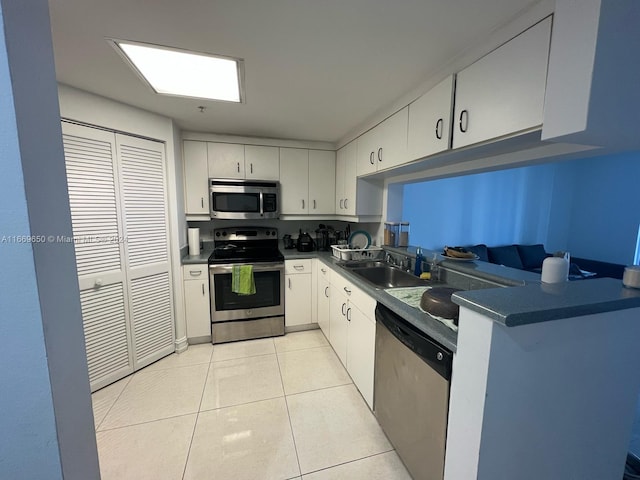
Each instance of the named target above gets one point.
<point>345,252</point>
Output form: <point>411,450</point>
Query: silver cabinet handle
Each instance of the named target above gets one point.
<point>195,273</point>
<point>345,203</point>
<point>349,314</point>
<point>326,292</point>
<point>380,154</point>
<point>314,204</point>
<point>323,270</point>
<point>203,289</point>
<point>341,203</point>
<point>343,307</point>
<point>299,267</point>
<point>347,290</point>
<point>371,160</point>
<point>202,202</point>
<point>303,204</point>
<point>439,127</point>
<point>289,284</point>
<point>238,163</point>
<point>251,167</point>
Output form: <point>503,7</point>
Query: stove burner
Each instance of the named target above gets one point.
<point>246,245</point>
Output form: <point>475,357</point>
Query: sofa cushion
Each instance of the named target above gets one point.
<point>480,250</point>
<point>507,256</point>
<point>532,256</point>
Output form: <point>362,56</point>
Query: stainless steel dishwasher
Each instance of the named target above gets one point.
<point>411,393</point>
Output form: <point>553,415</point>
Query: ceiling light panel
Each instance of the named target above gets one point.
<point>171,71</point>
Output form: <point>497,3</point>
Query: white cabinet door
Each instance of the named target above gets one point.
<point>367,159</point>
<point>196,302</point>
<point>338,324</point>
<point>361,339</point>
<point>261,163</point>
<point>384,146</point>
<point>294,181</point>
<point>392,140</point>
<point>225,160</point>
<point>429,128</point>
<point>324,306</point>
<point>340,177</point>
<point>196,178</point>
<point>297,301</point>
<point>503,92</point>
<point>322,175</point>
<point>351,181</point>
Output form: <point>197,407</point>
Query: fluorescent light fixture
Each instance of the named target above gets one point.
<point>170,71</point>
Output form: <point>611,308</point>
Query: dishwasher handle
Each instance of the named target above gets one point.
<point>427,349</point>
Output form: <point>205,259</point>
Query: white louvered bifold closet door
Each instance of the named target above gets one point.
<point>93,197</point>
<point>118,200</point>
<point>144,203</point>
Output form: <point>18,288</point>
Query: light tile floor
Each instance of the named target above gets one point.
<point>276,408</point>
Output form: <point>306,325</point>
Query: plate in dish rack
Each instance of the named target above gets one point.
<point>458,259</point>
<point>359,239</point>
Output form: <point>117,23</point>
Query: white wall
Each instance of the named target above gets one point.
<point>46,420</point>
<point>553,400</point>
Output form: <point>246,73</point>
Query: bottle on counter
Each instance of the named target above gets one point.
<point>434,269</point>
<point>417,269</point>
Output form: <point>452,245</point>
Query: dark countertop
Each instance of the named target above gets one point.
<point>539,302</point>
<point>526,301</point>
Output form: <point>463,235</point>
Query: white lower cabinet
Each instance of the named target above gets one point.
<point>352,332</point>
<point>323,296</point>
<point>196,303</point>
<point>298,288</point>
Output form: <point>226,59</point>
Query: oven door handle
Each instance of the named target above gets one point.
<point>257,267</point>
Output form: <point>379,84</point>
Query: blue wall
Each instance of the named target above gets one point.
<point>589,207</point>
<point>605,207</point>
<point>496,208</point>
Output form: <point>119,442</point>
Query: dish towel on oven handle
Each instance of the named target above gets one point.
<point>242,281</point>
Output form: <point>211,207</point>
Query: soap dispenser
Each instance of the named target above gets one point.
<point>417,269</point>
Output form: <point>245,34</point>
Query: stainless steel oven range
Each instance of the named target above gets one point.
<point>242,317</point>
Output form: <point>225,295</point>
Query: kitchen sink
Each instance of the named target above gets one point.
<point>363,264</point>
<point>385,276</point>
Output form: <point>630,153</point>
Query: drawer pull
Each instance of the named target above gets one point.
<point>347,290</point>
<point>439,126</point>
<point>349,314</point>
<point>326,292</point>
<point>299,267</point>
<point>195,273</point>
<point>343,307</point>
<point>465,114</point>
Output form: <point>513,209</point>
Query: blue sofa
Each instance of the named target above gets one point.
<point>530,258</point>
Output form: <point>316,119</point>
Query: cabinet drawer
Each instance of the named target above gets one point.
<point>292,267</point>
<point>195,271</point>
<point>323,270</point>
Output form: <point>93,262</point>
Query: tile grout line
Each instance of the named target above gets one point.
<point>195,424</point>
<point>286,403</point>
<point>130,376</point>
<point>348,462</point>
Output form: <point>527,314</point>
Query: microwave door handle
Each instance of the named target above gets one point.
<point>261,203</point>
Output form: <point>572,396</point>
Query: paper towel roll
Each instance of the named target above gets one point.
<point>194,241</point>
<point>555,270</point>
<point>631,277</point>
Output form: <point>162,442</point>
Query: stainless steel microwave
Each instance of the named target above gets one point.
<point>243,199</point>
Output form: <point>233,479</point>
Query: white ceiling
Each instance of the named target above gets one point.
<point>315,70</point>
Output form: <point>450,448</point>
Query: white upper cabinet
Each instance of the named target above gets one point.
<point>307,181</point>
<point>503,92</point>
<point>226,160</point>
<point>294,181</point>
<point>429,128</point>
<point>196,184</point>
<point>261,163</point>
<point>354,196</point>
<point>385,145</point>
<point>322,188</point>
<point>592,93</point>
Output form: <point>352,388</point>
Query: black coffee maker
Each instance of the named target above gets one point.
<point>305,242</point>
<point>325,237</point>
